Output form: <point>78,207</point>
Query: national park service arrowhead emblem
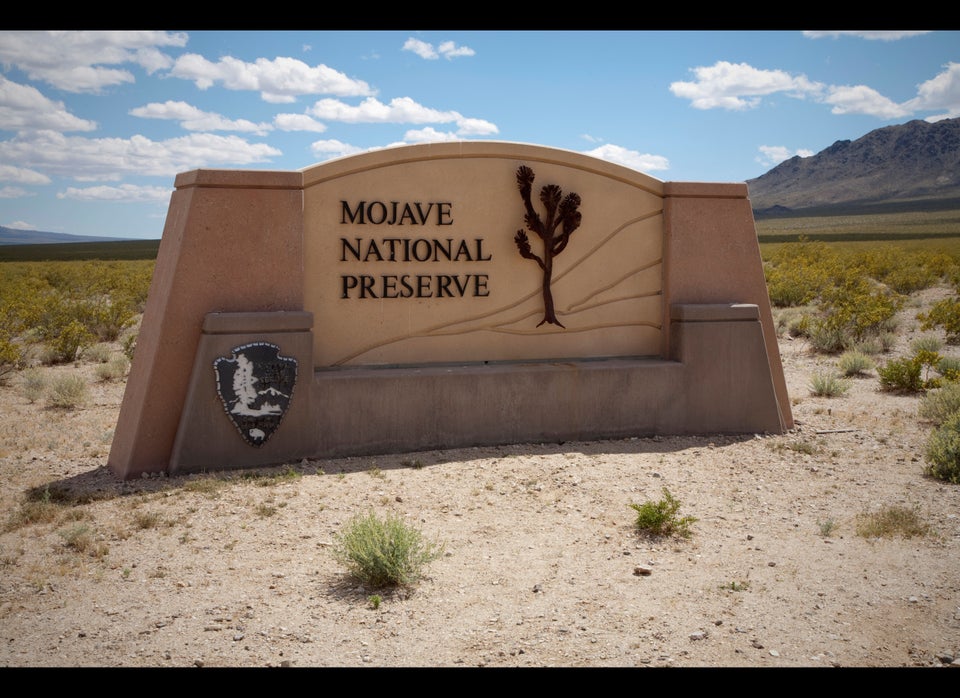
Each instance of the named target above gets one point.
<point>255,385</point>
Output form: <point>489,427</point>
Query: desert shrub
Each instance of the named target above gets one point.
<point>661,518</point>
<point>927,342</point>
<point>827,338</point>
<point>129,345</point>
<point>943,450</point>
<point>892,521</point>
<point>97,353</point>
<point>854,309</point>
<point>938,405</point>
<point>70,305</point>
<point>871,346</point>
<point>11,358</point>
<point>383,552</point>
<point>949,368</point>
<point>113,370</point>
<point>796,273</point>
<point>33,384</point>
<point>68,391</point>
<point>80,537</point>
<point>794,285</point>
<point>799,326</point>
<point>901,376</point>
<point>67,344</point>
<point>946,315</point>
<point>910,277</point>
<point>855,363</point>
<point>828,384</point>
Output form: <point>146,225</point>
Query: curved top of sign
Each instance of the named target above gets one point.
<point>385,157</point>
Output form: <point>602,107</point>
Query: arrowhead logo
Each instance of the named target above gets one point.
<point>255,385</point>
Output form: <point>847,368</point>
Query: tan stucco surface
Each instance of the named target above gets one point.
<point>606,283</point>
<point>666,322</point>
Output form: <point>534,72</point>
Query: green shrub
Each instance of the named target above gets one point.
<point>68,391</point>
<point>910,374</point>
<point>97,353</point>
<point>115,369</point>
<point>828,384</point>
<point>943,450</point>
<point>69,342</point>
<point>949,367</point>
<point>660,518</point>
<point>852,310</point>
<point>937,405</point>
<point>33,384</point>
<point>927,342</point>
<point>908,278</point>
<point>855,363</point>
<point>827,338</point>
<point>946,315</point>
<point>383,552</point>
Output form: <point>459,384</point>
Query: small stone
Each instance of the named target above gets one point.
<point>699,635</point>
<point>774,653</point>
<point>642,571</point>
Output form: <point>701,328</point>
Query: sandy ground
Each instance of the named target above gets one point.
<point>542,565</point>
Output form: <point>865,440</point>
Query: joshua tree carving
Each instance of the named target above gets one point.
<point>563,217</point>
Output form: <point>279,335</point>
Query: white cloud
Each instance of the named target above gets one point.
<point>23,107</point>
<point>447,49</point>
<point>644,162</point>
<point>940,93</point>
<point>428,135</point>
<point>591,139</point>
<point>298,122</point>
<point>401,110</point>
<point>421,48</point>
<point>870,35</point>
<point>738,86</point>
<point>21,225</point>
<point>772,155</point>
<point>373,111</point>
<point>74,61</point>
<point>14,193</point>
<point>860,99</point>
<point>194,119</point>
<point>125,193</point>
<point>475,127</point>
<point>279,81</point>
<point>8,173</point>
<point>326,150</point>
<point>110,159</point>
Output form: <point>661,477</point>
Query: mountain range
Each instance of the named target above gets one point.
<point>910,165</point>
<point>15,236</point>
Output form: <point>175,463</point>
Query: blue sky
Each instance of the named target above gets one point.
<point>94,126</point>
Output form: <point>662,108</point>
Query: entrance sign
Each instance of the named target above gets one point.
<point>446,295</point>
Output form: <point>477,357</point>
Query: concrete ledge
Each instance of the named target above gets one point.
<point>241,323</point>
<point>714,312</point>
<point>371,411</point>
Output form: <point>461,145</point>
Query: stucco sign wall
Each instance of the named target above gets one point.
<point>445,295</point>
<point>456,259</point>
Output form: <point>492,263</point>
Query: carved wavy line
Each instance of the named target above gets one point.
<point>437,328</point>
<point>616,282</point>
<point>600,304</point>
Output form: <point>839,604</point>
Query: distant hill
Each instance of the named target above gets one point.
<point>912,166</point>
<point>13,236</point>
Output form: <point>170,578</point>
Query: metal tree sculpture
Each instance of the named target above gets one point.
<point>561,214</point>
